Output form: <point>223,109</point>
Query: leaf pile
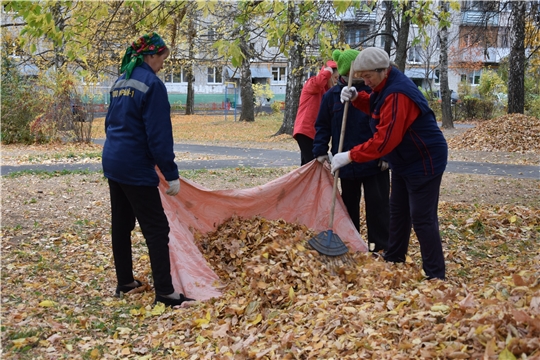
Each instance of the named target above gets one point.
<point>510,133</point>
<point>282,301</point>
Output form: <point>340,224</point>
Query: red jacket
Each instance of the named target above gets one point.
<point>310,101</point>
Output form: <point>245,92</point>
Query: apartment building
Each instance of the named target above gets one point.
<point>479,39</point>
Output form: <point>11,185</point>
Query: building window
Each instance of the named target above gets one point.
<point>437,78</point>
<point>356,35</point>
<point>214,75</point>
<point>174,73</point>
<point>211,33</point>
<point>504,38</point>
<point>472,78</point>
<point>279,74</point>
<point>414,55</point>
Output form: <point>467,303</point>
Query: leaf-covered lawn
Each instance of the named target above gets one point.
<point>216,128</point>
<point>281,300</point>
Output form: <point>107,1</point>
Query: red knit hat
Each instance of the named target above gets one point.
<point>332,64</point>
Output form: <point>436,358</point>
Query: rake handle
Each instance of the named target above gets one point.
<point>340,147</point>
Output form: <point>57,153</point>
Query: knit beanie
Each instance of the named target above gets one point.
<point>344,60</point>
<point>371,58</point>
<point>332,64</point>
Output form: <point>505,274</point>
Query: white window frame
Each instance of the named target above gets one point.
<point>472,77</point>
<point>279,74</point>
<point>215,75</point>
<point>414,55</point>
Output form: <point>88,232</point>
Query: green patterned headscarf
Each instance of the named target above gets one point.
<point>148,44</point>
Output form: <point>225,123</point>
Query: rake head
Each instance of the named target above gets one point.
<point>328,243</point>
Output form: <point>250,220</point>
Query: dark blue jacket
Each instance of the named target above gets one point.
<point>357,131</point>
<point>139,131</point>
<point>423,150</point>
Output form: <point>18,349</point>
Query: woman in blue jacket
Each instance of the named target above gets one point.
<point>369,175</point>
<point>139,136</point>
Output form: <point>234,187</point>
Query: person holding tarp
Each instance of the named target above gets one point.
<point>375,179</point>
<point>310,101</point>
<point>139,136</point>
<point>407,135</point>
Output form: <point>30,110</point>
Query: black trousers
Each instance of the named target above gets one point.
<point>143,203</point>
<point>414,202</point>
<point>376,199</point>
<point>305,143</point>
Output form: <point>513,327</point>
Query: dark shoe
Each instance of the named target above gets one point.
<point>171,302</point>
<point>126,289</point>
<point>391,259</point>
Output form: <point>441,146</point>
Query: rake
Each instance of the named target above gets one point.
<point>327,242</point>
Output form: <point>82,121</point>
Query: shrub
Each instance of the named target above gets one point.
<point>533,107</point>
<point>19,105</point>
<point>276,106</point>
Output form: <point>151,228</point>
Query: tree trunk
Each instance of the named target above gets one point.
<point>190,98</point>
<point>295,77</point>
<point>403,38</point>
<point>516,72</point>
<point>293,90</point>
<point>388,26</point>
<point>446,104</point>
<point>59,22</point>
<point>246,93</point>
<point>247,112</point>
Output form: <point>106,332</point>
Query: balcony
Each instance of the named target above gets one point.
<point>479,18</point>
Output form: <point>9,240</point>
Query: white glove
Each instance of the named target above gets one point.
<point>348,94</point>
<point>323,158</point>
<point>383,165</point>
<point>174,187</point>
<point>340,160</point>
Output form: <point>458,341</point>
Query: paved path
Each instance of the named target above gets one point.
<point>258,158</point>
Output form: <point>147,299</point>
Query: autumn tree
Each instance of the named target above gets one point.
<point>300,30</point>
<point>87,38</point>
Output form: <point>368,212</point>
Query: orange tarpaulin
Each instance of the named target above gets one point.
<point>303,196</point>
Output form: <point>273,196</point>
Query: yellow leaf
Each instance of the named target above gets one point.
<point>291,293</point>
<point>135,312</point>
<point>69,347</point>
<point>94,354</point>
<point>265,255</point>
<point>506,355</point>
<point>19,343</point>
<point>158,309</point>
<point>47,303</point>
<point>257,320</point>
<point>200,339</point>
<point>125,351</point>
<point>300,247</point>
<point>201,322</point>
<point>513,218</point>
<point>440,307</point>
<point>123,330</point>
